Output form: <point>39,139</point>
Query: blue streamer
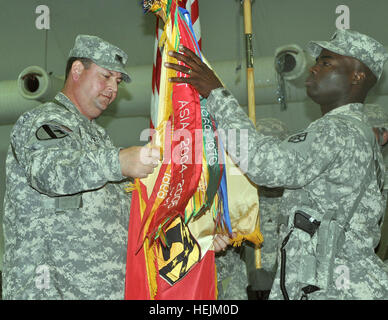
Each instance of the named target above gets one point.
<point>224,192</point>
<point>187,16</point>
<point>223,185</point>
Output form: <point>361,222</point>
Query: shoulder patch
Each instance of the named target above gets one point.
<point>51,131</point>
<point>225,93</point>
<point>300,137</point>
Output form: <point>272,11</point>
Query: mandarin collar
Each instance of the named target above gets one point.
<point>69,105</point>
<point>346,108</point>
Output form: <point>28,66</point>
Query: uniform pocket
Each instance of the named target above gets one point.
<point>68,202</point>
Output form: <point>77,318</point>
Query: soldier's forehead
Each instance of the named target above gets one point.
<point>325,53</point>
<point>116,73</point>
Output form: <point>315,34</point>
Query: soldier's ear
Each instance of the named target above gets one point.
<point>358,77</point>
<point>381,136</point>
<point>76,70</point>
<point>385,137</point>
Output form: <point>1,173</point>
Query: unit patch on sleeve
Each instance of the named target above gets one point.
<point>300,137</point>
<point>51,131</point>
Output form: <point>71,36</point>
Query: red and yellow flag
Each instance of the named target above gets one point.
<point>176,211</point>
<point>164,248</point>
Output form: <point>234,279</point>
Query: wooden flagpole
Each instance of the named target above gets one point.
<point>249,60</point>
<point>251,88</point>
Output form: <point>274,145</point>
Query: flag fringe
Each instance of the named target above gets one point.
<point>151,269</point>
<point>255,237</point>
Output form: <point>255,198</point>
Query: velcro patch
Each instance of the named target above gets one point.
<point>119,58</point>
<point>300,137</point>
<point>51,131</point>
<point>225,93</point>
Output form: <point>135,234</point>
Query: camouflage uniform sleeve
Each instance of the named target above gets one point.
<point>266,160</point>
<point>57,161</point>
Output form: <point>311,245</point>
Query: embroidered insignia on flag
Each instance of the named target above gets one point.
<point>176,211</point>
<point>182,252</point>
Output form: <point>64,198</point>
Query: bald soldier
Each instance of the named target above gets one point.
<point>65,209</point>
<point>332,172</point>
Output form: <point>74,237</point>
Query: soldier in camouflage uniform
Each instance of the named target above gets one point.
<point>378,119</point>
<point>236,267</point>
<point>232,277</point>
<point>260,279</point>
<point>65,209</point>
<point>332,172</point>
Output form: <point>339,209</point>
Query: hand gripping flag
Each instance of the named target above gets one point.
<point>176,210</point>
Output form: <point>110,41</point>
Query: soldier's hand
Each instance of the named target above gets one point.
<point>221,241</point>
<point>200,76</point>
<point>139,162</point>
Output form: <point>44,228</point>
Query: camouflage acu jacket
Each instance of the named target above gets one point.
<point>65,211</point>
<point>322,169</point>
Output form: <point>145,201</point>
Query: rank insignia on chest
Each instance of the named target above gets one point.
<point>181,254</point>
<point>300,137</point>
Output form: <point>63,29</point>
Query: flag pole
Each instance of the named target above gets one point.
<point>251,90</point>
<point>249,60</point>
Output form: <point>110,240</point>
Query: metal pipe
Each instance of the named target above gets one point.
<point>34,83</point>
<point>12,104</point>
<point>133,100</point>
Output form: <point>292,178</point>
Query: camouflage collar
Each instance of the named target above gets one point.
<point>64,101</point>
<point>351,107</point>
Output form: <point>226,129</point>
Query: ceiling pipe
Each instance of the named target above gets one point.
<point>12,104</point>
<point>134,99</point>
<point>34,85</point>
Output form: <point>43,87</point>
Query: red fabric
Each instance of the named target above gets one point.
<point>185,171</point>
<point>136,281</point>
<point>193,8</point>
<point>194,13</point>
<point>156,68</point>
<point>182,3</point>
<point>198,284</point>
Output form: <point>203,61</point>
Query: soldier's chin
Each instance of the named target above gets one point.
<point>101,105</point>
<point>311,93</point>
